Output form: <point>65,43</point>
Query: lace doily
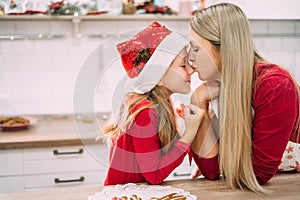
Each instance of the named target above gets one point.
<point>132,191</point>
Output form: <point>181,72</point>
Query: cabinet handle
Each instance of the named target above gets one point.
<point>177,174</point>
<point>56,152</point>
<point>57,180</point>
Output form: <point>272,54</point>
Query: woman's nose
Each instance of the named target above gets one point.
<point>190,56</point>
<point>188,68</point>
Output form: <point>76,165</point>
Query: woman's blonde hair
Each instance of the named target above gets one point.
<point>227,28</point>
<point>167,129</point>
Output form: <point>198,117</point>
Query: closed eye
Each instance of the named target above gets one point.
<point>192,46</point>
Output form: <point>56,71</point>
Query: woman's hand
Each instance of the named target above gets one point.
<point>193,116</point>
<point>205,93</point>
<point>196,172</point>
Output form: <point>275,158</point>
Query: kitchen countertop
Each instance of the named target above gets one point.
<point>282,186</point>
<point>56,130</point>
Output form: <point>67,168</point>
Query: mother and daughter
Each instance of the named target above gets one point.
<point>243,120</point>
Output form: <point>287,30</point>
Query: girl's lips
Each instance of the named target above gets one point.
<point>188,81</point>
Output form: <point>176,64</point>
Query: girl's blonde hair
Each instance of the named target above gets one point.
<point>167,129</point>
<point>227,28</point>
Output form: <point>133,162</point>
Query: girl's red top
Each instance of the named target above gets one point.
<point>137,156</point>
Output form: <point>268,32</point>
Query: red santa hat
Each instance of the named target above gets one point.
<point>147,56</point>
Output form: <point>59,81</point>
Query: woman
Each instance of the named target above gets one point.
<point>146,145</point>
<point>258,113</point>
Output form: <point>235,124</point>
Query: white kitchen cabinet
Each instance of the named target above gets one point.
<point>61,159</point>
<point>183,171</point>
<point>11,184</point>
<point>11,170</point>
<point>53,167</point>
<point>60,167</point>
<point>11,162</point>
<point>62,180</point>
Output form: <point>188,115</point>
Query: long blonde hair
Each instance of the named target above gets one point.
<point>167,129</point>
<point>227,28</point>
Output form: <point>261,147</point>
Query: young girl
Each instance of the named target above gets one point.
<point>258,117</point>
<point>146,145</point>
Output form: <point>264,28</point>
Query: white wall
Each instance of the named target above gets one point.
<point>271,9</point>
<point>256,9</point>
<point>39,76</point>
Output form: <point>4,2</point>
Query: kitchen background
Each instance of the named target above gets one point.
<point>38,75</point>
<point>45,59</point>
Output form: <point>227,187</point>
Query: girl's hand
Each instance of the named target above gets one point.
<point>205,93</point>
<point>193,116</point>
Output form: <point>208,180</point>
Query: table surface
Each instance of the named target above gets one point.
<point>56,130</point>
<point>282,186</point>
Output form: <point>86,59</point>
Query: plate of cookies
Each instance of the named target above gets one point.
<point>131,191</point>
<point>16,123</point>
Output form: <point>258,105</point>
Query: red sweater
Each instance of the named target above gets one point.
<point>136,155</point>
<point>276,105</point>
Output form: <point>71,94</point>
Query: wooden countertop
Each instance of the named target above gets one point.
<point>51,131</point>
<point>282,186</point>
